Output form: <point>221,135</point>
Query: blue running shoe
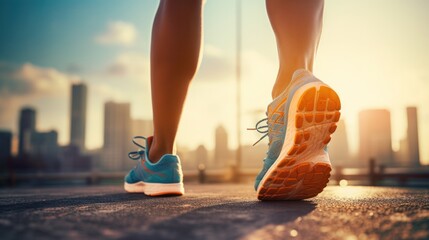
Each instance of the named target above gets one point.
<point>154,179</point>
<point>299,124</point>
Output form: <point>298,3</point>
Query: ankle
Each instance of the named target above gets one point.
<point>284,78</point>
<point>156,152</point>
<point>279,87</point>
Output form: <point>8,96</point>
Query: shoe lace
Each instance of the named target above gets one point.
<point>137,155</point>
<point>261,129</point>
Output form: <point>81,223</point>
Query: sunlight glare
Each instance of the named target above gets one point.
<point>351,192</point>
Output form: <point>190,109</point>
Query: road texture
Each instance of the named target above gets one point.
<point>213,212</point>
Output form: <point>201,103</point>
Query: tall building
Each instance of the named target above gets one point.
<point>142,127</point>
<point>221,151</point>
<point>201,156</point>
<point>72,160</point>
<point>401,156</point>
<point>27,125</point>
<point>5,149</point>
<point>375,137</point>
<point>78,115</point>
<point>188,158</point>
<point>413,137</point>
<point>339,147</point>
<point>44,149</point>
<point>117,137</point>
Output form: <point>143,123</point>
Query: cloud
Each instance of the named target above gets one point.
<point>29,79</point>
<point>129,64</point>
<point>212,50</point>
<point>75,68</point>
<point>26,85</point>
<point>216,65</point>
<point>118,33</point>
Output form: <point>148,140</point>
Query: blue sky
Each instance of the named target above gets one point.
<point>375,53</point>
<point>60,34</point>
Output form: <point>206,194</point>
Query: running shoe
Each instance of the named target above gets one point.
<point>300,122</point>
<point>164,177</point>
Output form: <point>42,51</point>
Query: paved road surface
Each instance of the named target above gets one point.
<point>213,212</point>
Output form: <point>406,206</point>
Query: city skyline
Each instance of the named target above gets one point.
<point>110,51</point>
<point>375,142</point>
<point>118,122</point>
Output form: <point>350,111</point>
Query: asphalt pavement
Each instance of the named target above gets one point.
<point>220,211</point>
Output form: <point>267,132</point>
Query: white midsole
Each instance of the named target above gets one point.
<point>316,156</point>
<point>154,188</point>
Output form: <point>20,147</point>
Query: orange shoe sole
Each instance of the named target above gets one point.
<point>302,169</point>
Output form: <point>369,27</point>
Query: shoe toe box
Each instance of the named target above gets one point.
<point>131,177</point>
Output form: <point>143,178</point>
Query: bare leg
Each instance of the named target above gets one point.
<point>297,26</point>
<point>175,50</point>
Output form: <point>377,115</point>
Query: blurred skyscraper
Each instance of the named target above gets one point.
<point>339,147</point>
<point>44,149</point>
<point>201,156</point>
<point>187,157</point>
<point>5,148</point>
<point>222,153</point>
<point>72,159</point>
<point>401,156</point>
<point>27,125</point>
<point>413,137</point>
<point>78,115</point>
<point>375,137</point>
<point>117,137</point>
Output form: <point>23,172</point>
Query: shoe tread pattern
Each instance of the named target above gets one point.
<point>318,111</point>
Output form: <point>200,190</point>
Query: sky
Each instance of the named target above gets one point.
<point>375,54</point>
